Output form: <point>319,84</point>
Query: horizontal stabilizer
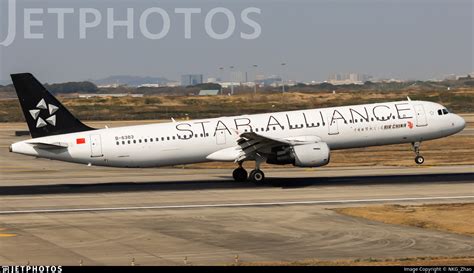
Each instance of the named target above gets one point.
<point>49,146</point>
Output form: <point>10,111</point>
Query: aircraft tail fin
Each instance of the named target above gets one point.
<point>44,114</point>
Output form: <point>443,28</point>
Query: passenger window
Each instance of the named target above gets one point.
<point>140,141</point>
<point>145,140</point>
<point>123,142</point>
<point>202,135</point>
<point>151,139</point>
<point>256,129</point>
<point>274,128</point>
<point>168,138</point>
<point>174,137</point>
<point>162,138</point>
<point>134,141</point>
<point>157,139</point>
<point>118,143</point>
<point>128,142</point>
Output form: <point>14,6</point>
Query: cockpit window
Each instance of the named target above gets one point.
<point>440,112</point>
<point>445,111</point>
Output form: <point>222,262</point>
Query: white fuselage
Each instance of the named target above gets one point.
<point>187,142</point>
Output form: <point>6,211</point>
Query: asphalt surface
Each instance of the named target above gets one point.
<point>211,221</point>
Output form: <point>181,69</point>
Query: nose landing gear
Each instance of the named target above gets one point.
<point>416,148</point>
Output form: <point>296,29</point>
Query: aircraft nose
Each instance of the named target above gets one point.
<point>459,123</point>
<point>462,123</point>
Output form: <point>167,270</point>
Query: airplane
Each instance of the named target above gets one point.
<point>303,138</point>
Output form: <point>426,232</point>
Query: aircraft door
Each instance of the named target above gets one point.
<point>96,146</point>
<point>420,115</point>
<point>333,126</point>
<point>220,137</point>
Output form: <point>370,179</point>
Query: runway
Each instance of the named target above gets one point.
<point>230,205</point>
<point>209,221</point>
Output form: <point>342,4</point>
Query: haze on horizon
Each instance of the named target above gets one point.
<point>406,39</point>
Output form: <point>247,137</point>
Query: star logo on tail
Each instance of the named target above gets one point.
<point>51,119</point>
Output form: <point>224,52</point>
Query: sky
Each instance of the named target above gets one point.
<point>405,39</point>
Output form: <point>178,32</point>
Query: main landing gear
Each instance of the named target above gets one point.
<point>416,147</point>
<point>240,174</point>
<point>257,176</point>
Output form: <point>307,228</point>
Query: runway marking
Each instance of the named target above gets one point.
<point>6,234</point>
<point>223,205</point>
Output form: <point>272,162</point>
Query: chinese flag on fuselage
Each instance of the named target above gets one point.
<point>80,140</point>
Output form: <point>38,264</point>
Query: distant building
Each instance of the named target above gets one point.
<point>114,85</point>
<point>191,79</point>
<point>273,80</point>
<point>229,84</point>
<point>348,78</point>
<point>237,76</point>
<point>173,84</point>
<point>212,80</point>
<point>150,85</point>
<point>208,92</point>
<point>450,77</point>
<point>116,95</point>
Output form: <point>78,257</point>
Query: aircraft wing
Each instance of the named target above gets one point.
<point>248,137</point>
<point>252,145</point>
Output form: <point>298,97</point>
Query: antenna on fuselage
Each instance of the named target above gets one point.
<point>408,98</point>
<point>172,119</point>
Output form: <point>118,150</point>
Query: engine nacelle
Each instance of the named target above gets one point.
<point>307,155</point>
<point>311,155</point>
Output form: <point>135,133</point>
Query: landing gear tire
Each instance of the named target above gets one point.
<point>240,175</point>
<point>416,148</point>
<point>257,176</point>
<point>419,159</point>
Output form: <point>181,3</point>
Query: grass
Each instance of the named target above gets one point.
<point>455,218</point>
<point>164,107</point>
<point>407,261</point>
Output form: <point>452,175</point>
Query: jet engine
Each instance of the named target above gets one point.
<point>307,155</point>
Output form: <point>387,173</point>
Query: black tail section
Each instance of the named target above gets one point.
<point>44,114</point>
